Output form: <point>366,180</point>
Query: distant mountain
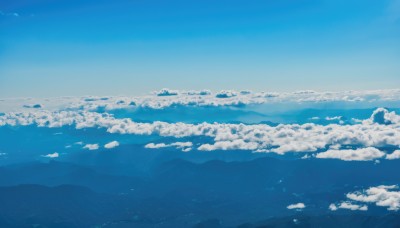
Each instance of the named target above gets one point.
<point>61,206</point>
<point>180,193</point>
<point>56,173</point>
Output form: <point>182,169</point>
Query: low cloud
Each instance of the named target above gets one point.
<point>361,154</point>
<point>382,196</point>
<point>280,139</point>
<point>184,146</point>
<point>91,146</point>
<point>226,94</point>
<point>348,206</point>
<point>53,155</point>
<point>111,145</point>
<point>394,155</point>
<point>297,206</point>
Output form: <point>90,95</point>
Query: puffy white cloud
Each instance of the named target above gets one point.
<point>333,207</point>
<point>91,146</point>
<point>394,155</point>
<point>297,206</point>
<point>53,155</point>
<point>383,116</point>
<point>184,146</point>
<point>361,154</point>
<point>258,137</point>
<point>349,206</point>
<point>199,98</point>
<point>111,145</point>
<point>383,196</point>
<point>226,94</point>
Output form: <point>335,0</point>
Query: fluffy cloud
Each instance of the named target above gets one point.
<point>394,155</point>
<point>53,155</point>
<point>349,206</point>
<point>111,145</point>
<point>383,116</point>
<point>226,94</point>
<point>172,98</point>
<point>361,154</point>
<point>91,146</point>
<point>258,137</point>
<point>383,196</point>
<point>297,206</point>
<point>184,146</point>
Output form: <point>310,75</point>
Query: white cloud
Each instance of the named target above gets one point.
<point>111,145</point>
<point>333,118</point>
<point>364,99</point>
<point>361,154</point>
<point>184,146</point>
<point>226,94</point>
<point>155,146</point>
<point>53,155</point>
<point>383,196</point>
<point>258,137</point>
<point>349,206</point>
<point>91,146</point>
<point>297,206</point>
<point>201,92</point>
<point>394,155</point>
<point>383,116</point>
<point>333,207</point>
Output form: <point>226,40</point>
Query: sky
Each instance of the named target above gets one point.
<point>73,48</point>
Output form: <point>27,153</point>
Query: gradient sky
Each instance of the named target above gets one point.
<point>121,47</point>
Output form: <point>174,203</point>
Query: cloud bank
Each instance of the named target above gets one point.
<point>368,135</point>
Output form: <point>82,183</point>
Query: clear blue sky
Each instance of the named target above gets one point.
<point>121,47</point>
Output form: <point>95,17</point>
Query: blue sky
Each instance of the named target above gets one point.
<point>57,48</point>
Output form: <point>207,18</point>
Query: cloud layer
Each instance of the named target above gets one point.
<point>367,135</point>
<point>205,98</point>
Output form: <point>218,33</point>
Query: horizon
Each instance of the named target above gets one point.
<point>132,47</point>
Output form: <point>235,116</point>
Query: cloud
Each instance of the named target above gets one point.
<point>394,155</point>
<point>53,155</point>
<point>280,139</point>
<point>167,92</point>
<point>333,118</point>
<point>201,92</point>
<point>111,145</point>
<point>361,154</point>
<point>91,146</point>
<point>382,196</point>
<point>184,146</point>
<point>297,206</point>
<point>383,116</point>
<point>348,206</point>
<point>226,94</point>
<point>206,98</point>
